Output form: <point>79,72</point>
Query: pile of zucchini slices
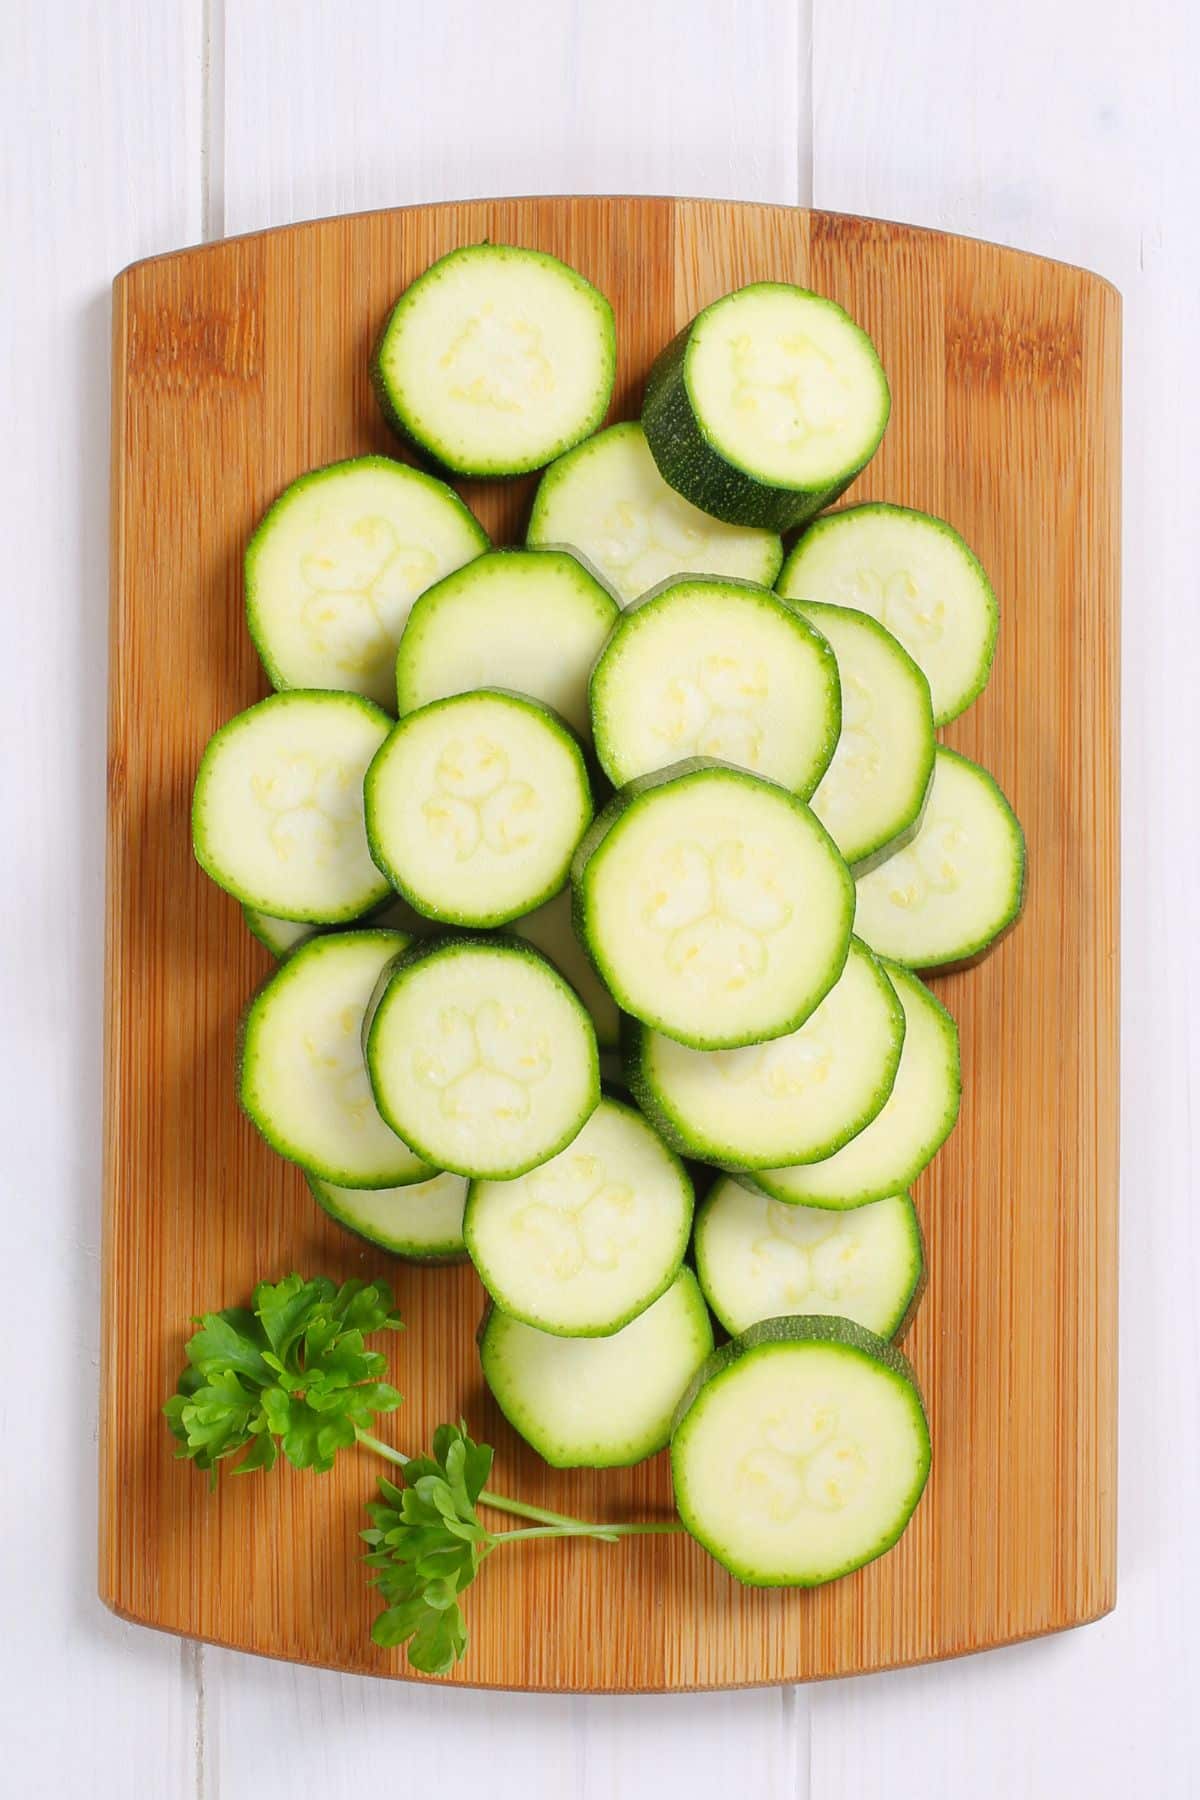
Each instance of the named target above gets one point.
<point>642,799</point>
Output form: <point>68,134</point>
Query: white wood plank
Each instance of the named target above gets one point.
<point>375,105</point>
<point>362,103</point>
<point>274,1731</point>
<point>99,164</point>
<point>1067,129</point>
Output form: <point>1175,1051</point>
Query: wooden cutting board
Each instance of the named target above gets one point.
<point>238,366</point>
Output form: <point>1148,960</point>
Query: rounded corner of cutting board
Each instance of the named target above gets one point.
<point>1005,419</point>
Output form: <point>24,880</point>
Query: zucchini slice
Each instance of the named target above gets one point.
<point>760,1259</point>
<point>915,575</point>
<point>905,1135</point>
<point>716,668</point>
<point>765,407</point>
<point>958,885</point>
<point>282,936</point>
<point>277,814</point>
<point>531,621</point>
<point>474,806</point>
<point>336,563</point>
<point>496,360</point>
<point>795,1099</point>
<point>421,1223</point>
<point>598,1403</point>
<point>550,930</point>
<point>585,1243</point>
<point>480,1054</point>
<point>800,1451</point>
<point>872,793</point>
<point>607,501</point>
<point>301,1074</point>
<point>713,904</point>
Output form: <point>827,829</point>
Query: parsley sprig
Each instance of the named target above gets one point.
<point>288,1374</point>
<point>291,1374</point>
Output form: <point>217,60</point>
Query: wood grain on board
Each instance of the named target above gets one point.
<point>242,364</point>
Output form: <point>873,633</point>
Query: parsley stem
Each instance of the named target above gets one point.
<point>576,1528</point>
<point>558,1524</point>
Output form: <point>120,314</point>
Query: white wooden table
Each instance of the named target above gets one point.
<point>132,126</point>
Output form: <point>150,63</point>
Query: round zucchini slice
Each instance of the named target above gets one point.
<point>474,807</point>
<point>719,669</point>
<point>496,360</point>
<point>277,813</point>
<point>607,501</point>
<point>761,1259</point>
<point>915,575</point>
<point>957,886</point>
<point>765,408</point>
<point>421,1223</point>
<point>301,1074</point>
<point>481,1054</point>
<point>598,1402</point>
<point>336,563</point>
<point>800,1451</point>
<point>713,904</point>
<point>794,1099</point>
<point>589,1240</point>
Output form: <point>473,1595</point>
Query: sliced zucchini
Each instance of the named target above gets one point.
<point>800,1451</point>
<point>279,936</point>
<point>607,501</point>
<point>422,1223</point>
<point>550,930</point>
<point>337,562</point>
<point>496,360</point>
<point>474,806</point>
<point>760,1259</point>
<point>716,668</point>
<point>301,1073</point>
<point>949,893</point>
<point>766,406</point>
<point>713,905</point>
<point>871,795</point>
<point>480,1054</point>
<point>598,1403</point>
<point>282,936</point>
<point>531,621</point>
<point>277,814</point>
<point>915,575</point>
<point>584,1244</point>
<point>915,1121</point>
<point>795,1099</point>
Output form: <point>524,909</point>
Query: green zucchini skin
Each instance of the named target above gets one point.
<point>688,459</point>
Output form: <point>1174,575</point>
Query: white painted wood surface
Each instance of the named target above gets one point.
<point>139,125</point>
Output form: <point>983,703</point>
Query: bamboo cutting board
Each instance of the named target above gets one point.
<point>238,366</point>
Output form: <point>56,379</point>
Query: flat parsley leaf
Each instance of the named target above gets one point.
<point>290,1373</point>
<point>425,1546</point>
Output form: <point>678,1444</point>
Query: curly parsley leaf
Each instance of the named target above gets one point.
<point>290,1374</point>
